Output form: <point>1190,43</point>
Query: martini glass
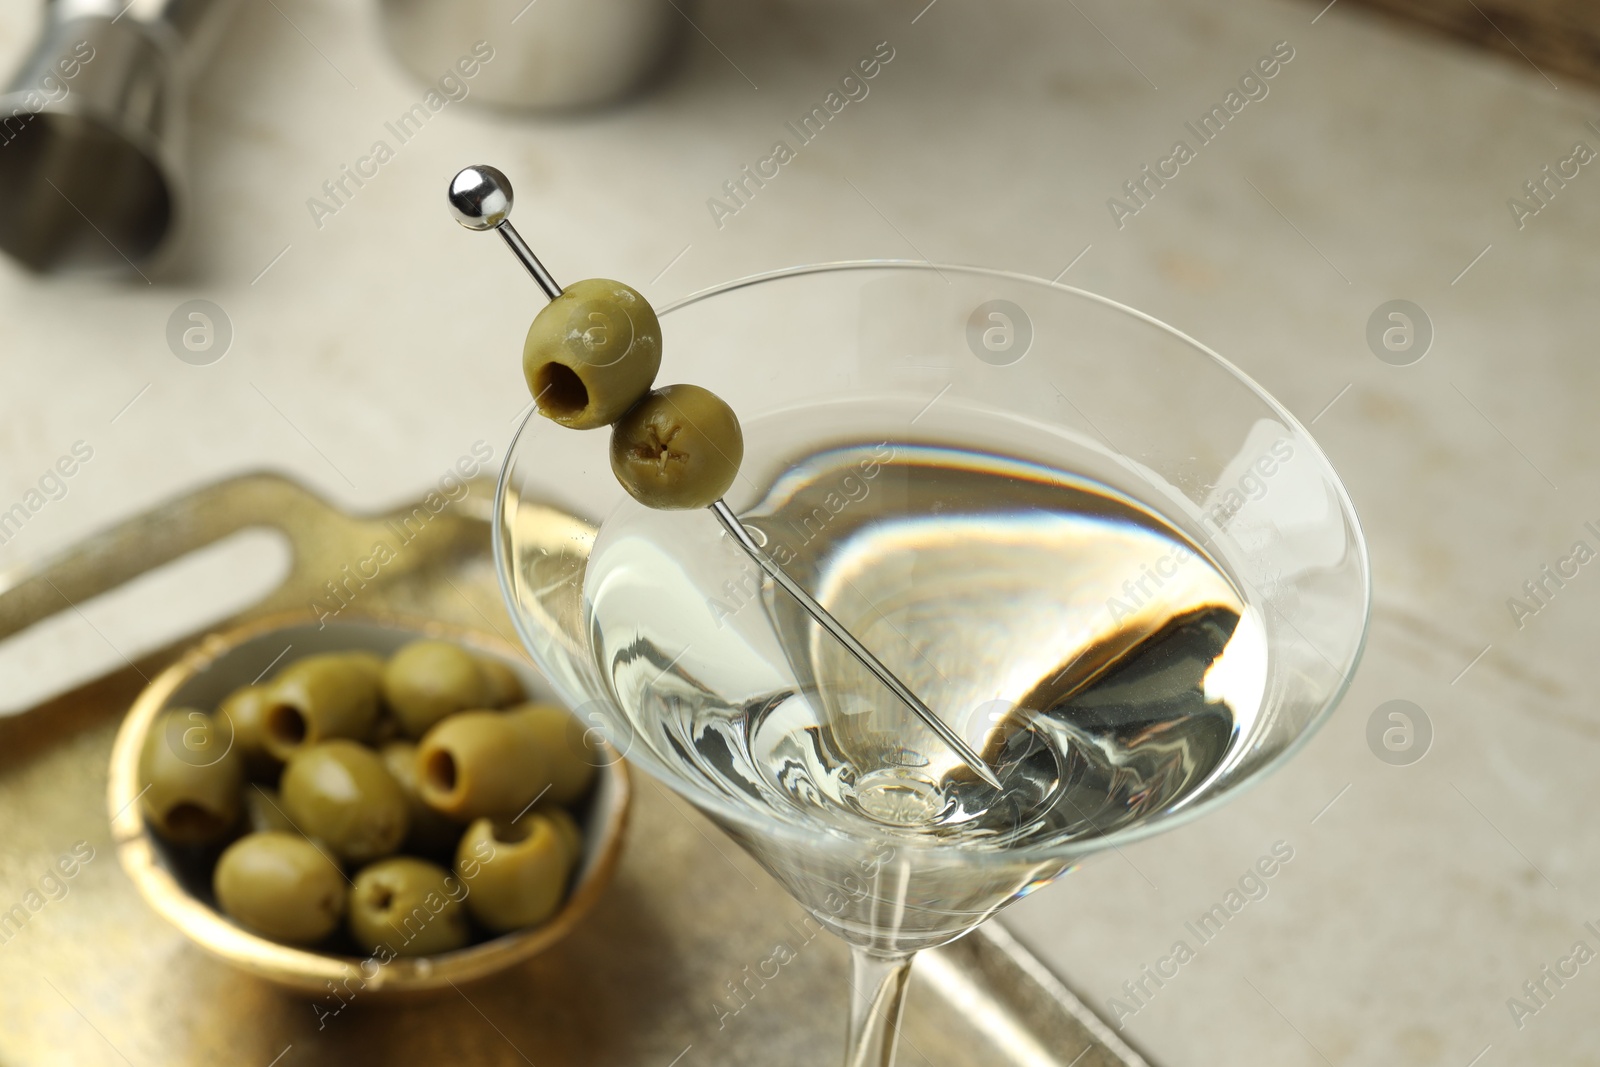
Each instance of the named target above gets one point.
<point>1115,566</point>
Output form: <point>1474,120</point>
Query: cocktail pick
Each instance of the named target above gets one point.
<point>480,199</point>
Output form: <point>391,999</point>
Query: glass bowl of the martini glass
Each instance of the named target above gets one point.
<point>1117,567</point>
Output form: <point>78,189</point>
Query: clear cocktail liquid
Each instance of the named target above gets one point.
<point>1096,657</point>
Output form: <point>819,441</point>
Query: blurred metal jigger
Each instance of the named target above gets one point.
<point>91,131</point>
<point>534,54</point>
<point>480,199</point>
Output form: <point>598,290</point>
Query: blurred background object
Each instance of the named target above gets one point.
<point>547,54</point>
<point>92,127</point>
<point>92,124</point>
<point>1559,35</point>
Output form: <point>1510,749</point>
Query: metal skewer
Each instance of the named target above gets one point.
<point>825,619</point>
<point>480,199</point>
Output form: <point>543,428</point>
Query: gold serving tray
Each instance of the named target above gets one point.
<point>675,967</point>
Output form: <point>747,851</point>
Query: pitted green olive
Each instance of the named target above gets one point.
<point>515,873</point>
<point>408,905</point>
<point>245,712</point>
<point>340,793</point>
<point>427,680</point>
<point>317,699</point>
<point>280,886</point>
<point>385,727</point>
<point>591,353</point>
<point>481,763</point>
<point>370,662</point>
<point>570,758</point>
<point>502,686</point>
<point>191,776</point>
<point>566,828</point>
<point>679,447</point>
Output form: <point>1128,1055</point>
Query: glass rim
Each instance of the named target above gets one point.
<point>1071,851</point>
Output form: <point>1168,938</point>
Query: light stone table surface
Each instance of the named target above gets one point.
<point>380,345</point>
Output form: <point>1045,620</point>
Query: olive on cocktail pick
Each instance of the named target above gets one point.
<point>677,447</point>
<point>595,349</point>
<point>592,353</point>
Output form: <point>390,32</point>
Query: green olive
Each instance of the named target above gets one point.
<point>280,886</point>
<point>570,757</point>
<point>190,777</point>
<point>340,793</point>
<point>245,710</point>
<point>503,687</point>
<point>516,873</point>
<point>263,810</point>
<point>410,906</point>
<point>386,727</point>
<point>482,763</point>
<point>370,662</point>
<point>319,698</point>
<point>592,353</point>
<point>679,447</point>
<point>431,833</point>
<point>427,680</point>
<point>566,828</point>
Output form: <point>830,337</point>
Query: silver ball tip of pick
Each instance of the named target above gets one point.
<point>480,197</point>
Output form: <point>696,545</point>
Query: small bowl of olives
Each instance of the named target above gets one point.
<point>390,801</point>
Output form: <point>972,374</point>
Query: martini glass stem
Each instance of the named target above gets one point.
<point>879,985</point>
